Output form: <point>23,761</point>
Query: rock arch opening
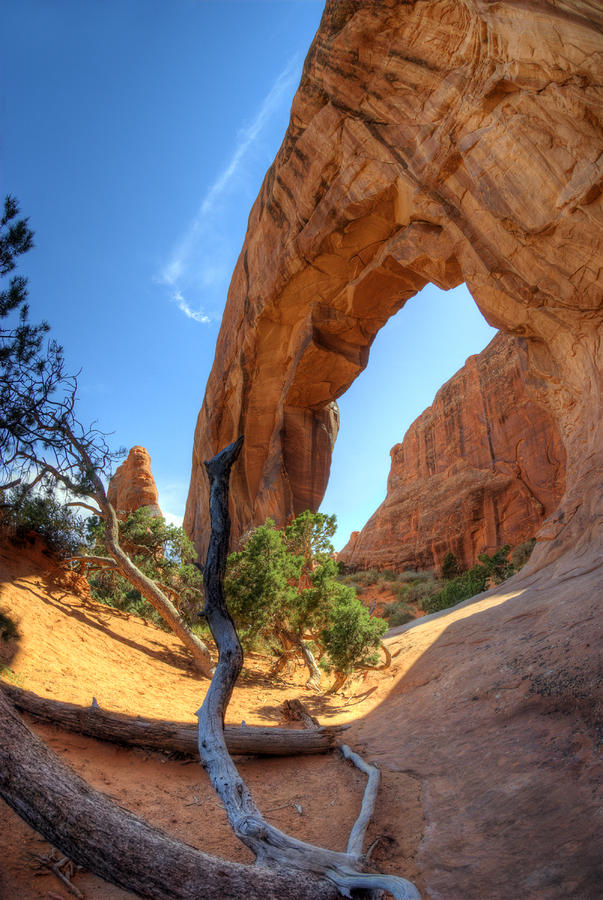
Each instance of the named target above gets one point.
<point>417,351</point>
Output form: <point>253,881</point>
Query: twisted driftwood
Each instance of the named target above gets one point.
<point>181,737</point>
<point>271,847</point>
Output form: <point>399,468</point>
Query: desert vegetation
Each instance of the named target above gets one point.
<point>415,592</point>
<point>282,588</point>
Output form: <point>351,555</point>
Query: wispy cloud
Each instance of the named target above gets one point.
<point>197,314</point>
<point>248,136</point>
<point>203,259</point>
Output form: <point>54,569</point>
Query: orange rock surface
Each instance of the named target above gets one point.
<point>133,485</point>
<point>429,142</point>
<point>480,468</point>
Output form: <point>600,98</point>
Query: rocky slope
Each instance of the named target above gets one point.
<point>447,141</point>
<point>133,485</point>
<point>482,467</point>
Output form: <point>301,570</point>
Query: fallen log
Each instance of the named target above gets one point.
<point>180,737</point>
<point>94,832</point>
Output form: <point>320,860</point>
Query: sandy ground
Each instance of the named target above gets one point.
<point>485,727</point>
<point>72,648</point>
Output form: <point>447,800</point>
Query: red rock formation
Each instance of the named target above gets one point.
<point>450,141</point>
<point>133,485</point>
<point>480,468</point>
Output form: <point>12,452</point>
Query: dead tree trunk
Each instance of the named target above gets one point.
<point>111,842</point>
<point>179,737</point>
<point>152,593</point>
<point>308,657</point>
<point>271,847</point>
<point>294,644</point>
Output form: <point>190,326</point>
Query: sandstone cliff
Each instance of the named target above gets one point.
<point>447,141</point>
<point>480,468</point>
<point>133,485</point>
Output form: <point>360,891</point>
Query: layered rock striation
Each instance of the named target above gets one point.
<point>133,486</point>
<point>447,141</point>
<point>482,467</point>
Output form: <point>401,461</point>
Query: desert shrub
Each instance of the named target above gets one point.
<point>352,635</point>
<point>399,589</point>
<point>8,628</point>
<point>420,589</point>
<point>62,529</point>
<point>521,554</point>
<point>397,613</point>
<point>367,577</point>
<point>387,575</point>
<point>413,575</point>
<point>162,552</point>
<point>495,568</point>
<point>450,567</point>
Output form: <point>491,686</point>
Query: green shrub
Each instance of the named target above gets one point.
<point>352,636</point>
<point>521,554</point>
<point>388,575</point>
<point>8,629</point>
<point>284,587</point>
<point>495,568</point>
<point>450,567</point>
<point>397,613</point>
<point>61,528</point>
<point>162,552</point>
<point>458,589</point>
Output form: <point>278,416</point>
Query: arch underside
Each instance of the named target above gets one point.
<point>442,142</point>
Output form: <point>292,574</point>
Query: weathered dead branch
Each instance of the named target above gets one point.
<point>271,847</point>
<point>358,832</point>
<point>179,737</point>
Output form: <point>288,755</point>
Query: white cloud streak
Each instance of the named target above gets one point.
<point>248,136</point>
<point>201,259</point>
<point>197,314</point>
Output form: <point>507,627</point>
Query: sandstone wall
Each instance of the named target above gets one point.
<point>450,141</point>
<point>482,467</point>
<point>133,485</point>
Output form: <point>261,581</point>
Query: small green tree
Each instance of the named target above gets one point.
<point>29,371</point>
<point>283,586</point>
<point>352,636</point>
<point>161,551</point>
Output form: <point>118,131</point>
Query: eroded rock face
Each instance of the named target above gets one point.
<point>446,141</point>
<point>482,467</point>
<point>133,485</point>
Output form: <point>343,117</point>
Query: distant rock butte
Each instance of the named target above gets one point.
<point>482,467</point>
<point>429,142</point>
<point>133,485</point>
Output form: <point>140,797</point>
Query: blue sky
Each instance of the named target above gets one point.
<point>136,134</point>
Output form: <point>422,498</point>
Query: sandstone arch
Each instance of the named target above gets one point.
<point>449,141</point>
